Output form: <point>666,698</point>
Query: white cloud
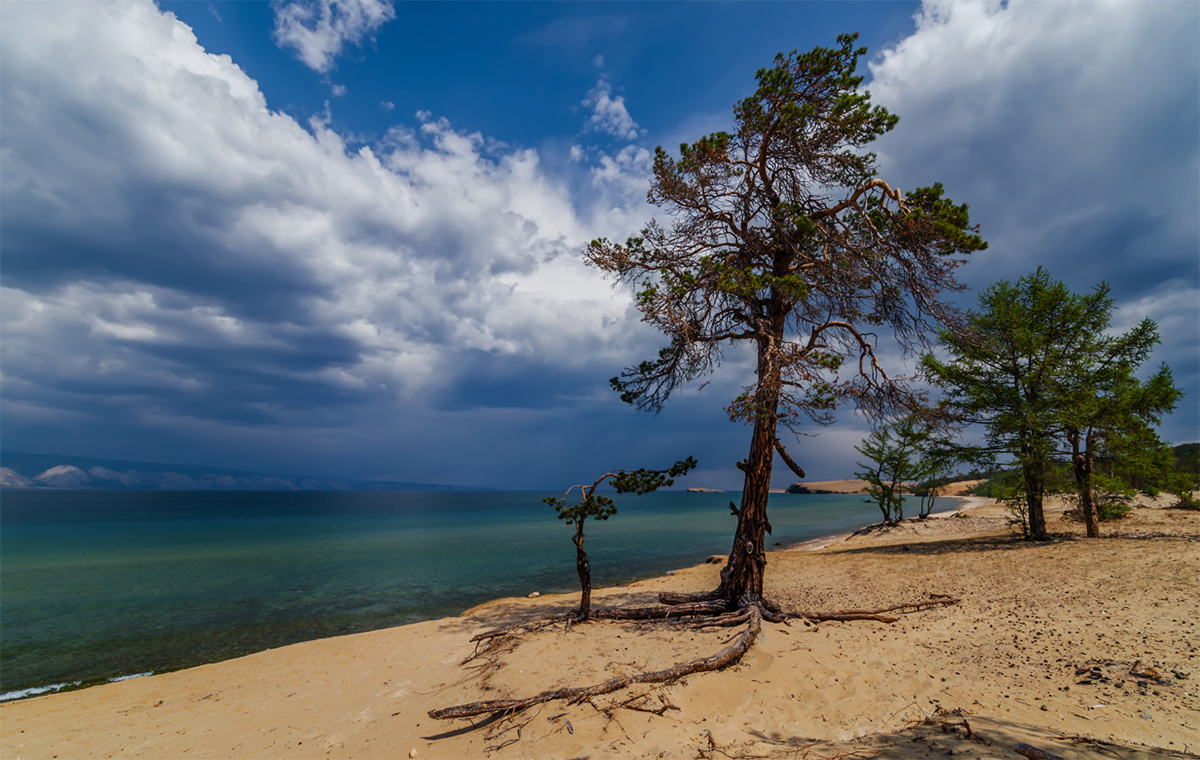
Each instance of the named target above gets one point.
<point>1062,124</point>
<point>623,180</point>
<point>203,236</point>
<point>318,29</point>
<point>609,114</point>
<point>1071,130</point>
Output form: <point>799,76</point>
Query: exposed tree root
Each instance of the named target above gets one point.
<point>710,610</point>
<point>674,598</point>
<point>726,620</point>
<point>678,600</point>
<point>662,612</point>
<point>490,641</point>
<point>727,656</point>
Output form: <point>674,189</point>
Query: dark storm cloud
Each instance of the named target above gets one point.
<point>189,275</point>
<point>173,249</point>
<point>1073,131</point>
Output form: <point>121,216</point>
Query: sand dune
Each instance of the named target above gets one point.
<point>1058,645</point>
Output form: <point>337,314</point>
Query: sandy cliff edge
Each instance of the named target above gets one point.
<point>1054,644</point>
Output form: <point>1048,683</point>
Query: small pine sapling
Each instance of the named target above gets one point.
<point>600,508</point>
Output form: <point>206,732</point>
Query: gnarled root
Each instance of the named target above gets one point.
<point>672,597</point>
<point>727,656</point>
<point>662,612</point>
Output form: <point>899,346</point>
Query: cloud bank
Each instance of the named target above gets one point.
<point>190,274</point>
<point>1073,130</point>
<point>174,248</point>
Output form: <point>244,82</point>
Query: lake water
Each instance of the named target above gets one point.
<point>100,585</point>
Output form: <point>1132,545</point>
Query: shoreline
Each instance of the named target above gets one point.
<point>142,668</point>
<point>1006,661</point>
<point>966,503</point>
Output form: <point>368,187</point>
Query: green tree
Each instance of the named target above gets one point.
<point>1109,413</point>
<point>1035,367</point>
<point>783,237</point>
<point>600,508</point>
<point>890,451</point>
<point>938,460</point>
<point>909,453</point>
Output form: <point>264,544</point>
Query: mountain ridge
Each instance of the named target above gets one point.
<point>55,471</point>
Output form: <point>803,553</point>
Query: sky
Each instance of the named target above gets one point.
<point>343,237</point>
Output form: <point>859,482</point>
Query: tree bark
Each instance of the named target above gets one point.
<point>1034,470</point>
<point>742,576</point>
<point>1082,463</point>
<point>584,568</point>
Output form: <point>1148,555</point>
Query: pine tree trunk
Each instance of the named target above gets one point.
<point>1037,517</point>
<point>1034,470</point>
<point>584,568</point>
<point>742,576</point>
<point>1082,461</point>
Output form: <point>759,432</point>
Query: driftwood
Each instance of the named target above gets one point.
<point>933,601</point>
<point>1033,753</point>
<point>727,656</point>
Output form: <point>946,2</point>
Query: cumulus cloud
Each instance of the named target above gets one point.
<point>201,256</point>
<point>1071,130</point>
<point>1058,124</point>
<point>317,30</point>
<point>609,114</point>
<point>179,257</point>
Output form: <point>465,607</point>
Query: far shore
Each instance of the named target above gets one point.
<point>1075,646</point>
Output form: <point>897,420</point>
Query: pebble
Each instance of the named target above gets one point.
<point>534,595</point>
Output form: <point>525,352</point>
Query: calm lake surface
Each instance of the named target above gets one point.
<point>99,585</point>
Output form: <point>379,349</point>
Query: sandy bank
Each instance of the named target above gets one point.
<point>956,488</point>
<point>1052,642</point>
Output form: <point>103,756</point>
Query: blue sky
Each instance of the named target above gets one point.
<point>343,238</point>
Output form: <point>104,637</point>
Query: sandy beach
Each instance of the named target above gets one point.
<point>1078,647</point>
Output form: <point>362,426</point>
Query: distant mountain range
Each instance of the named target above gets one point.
<point>43,471</point>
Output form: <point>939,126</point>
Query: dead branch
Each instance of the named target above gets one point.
<point>498,732</point>
<point>874,614</point>
<point>634,703</point>
<point>727,656</point>
<point>489,642</point>
<point>1033,753</point>
<point>788,460</point>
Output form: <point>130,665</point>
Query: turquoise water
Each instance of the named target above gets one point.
<point>101,585</point>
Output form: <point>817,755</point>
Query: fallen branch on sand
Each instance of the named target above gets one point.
<point>934,600</point>
<point>1033,753</point>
